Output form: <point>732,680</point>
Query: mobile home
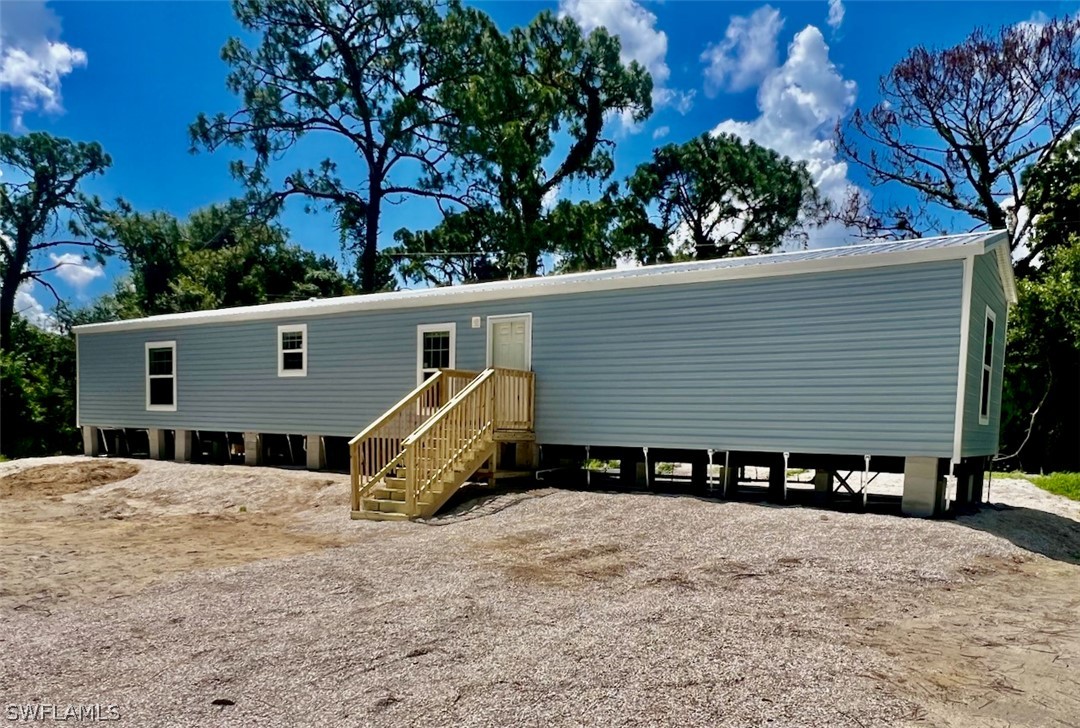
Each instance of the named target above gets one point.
<point>885,356</point>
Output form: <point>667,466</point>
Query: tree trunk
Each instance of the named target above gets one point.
<point>7,313</point>
<point>13,276</point>
<point>530,213</point>
<point>369,256</point>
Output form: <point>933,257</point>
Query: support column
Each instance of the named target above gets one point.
<point>823,486</point>
<point>526,455</point>
<point>185,443</point>
<point>316,452</point>
<point>699,474</point>
<point>777,480</point>
<point>978,482</point>
<point>924,487</point>
<point>91,441</point>
<point>252,448</point>
<point>632,472</point>
<point>964,485</point>
<point>728,481</point>
<point>157,443</point>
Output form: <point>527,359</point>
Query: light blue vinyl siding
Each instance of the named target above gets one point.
<point>853,362</point>
<point>986,290</point>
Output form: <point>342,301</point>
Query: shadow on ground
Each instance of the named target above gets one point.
<point>1054,536</point>
<point>1049,534</point>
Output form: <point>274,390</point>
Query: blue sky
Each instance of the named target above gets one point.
<point>133,75</point>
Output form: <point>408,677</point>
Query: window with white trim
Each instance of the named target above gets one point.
<point>292,350</point>
<point>435,349</point>
<point>987,367</point>
<point>161,376</point>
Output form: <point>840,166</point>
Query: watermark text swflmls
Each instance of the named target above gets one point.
<point>89,713</point>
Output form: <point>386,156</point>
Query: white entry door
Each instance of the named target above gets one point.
<point>510,341</point>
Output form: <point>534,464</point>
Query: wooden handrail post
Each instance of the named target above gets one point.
<point>355,475</point>
<point>410,479</point>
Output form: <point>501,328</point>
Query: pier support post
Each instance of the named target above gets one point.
<point>924,487</point>
<point>252,448</point>
<point>157,439</point>
<point>526,455</point>
<point>823,485</point>
<point>316,452</point>
<point>726,481</point>
<point>91,441</point>
<point>185,444</point>
<point>777,480</point>
<point>632,471</point>
<point>699,473</point>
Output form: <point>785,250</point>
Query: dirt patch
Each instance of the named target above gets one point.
<point>1015,660</point>
<point>45,481</point>
<point>73,531</point>
<point>532,558</point>
<point>51,562</point>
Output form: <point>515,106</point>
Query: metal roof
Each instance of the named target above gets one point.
<point>802,261</point>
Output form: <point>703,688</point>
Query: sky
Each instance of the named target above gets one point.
<point>134,75</point>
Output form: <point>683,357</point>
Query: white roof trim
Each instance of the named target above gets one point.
<point>850,257</point>
<point>1000,248</point>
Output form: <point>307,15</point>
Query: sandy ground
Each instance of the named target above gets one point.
<point>189,594</point>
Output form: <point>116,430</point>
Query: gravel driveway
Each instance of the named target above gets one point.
<point>545,607</point>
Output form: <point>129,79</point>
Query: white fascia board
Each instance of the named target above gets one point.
<point>997,243</point>
<point>662,275</point>
<point>962,365</point>
<point>1005,271</point>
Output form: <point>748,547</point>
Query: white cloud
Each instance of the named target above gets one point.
<point>799,104</point>
<point>27,306</point>
<point>836,14</point>
<point>1037,21</point>
<point>661,132</point>
<point>33,60</point>
<point>550,198</point>
<point>75,270</point>
<point>640,41</point>
<point>747,53</point>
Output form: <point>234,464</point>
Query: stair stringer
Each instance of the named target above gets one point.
<point>462,473</point>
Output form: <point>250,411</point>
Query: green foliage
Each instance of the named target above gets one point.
<point>37,406</point>
<point>1041,388</point>
<point>1041,398</point>
<point>42,208</point>
<point>1066,484</point>
<point>220,257</point>
<point>217,258</point>
<point>716,197</point>
<point>530,120</point>
<point>365,75</point>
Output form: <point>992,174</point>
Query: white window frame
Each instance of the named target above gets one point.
<point>292,329</point>
<point>422,329</point>
<point>492,320</point>
<point>987,379</point>
<point>174,376</point>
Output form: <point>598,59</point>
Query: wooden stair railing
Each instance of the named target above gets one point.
<point>377,450</point>
<point>460,432</point>
<point>415,475</point>
<point>514,394</point>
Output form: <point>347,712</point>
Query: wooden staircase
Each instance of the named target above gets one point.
<point>410,461</point>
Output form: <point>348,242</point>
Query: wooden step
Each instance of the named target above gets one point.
<point>385,505</point>
<point>394,494</point>
<point>378,516</point>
